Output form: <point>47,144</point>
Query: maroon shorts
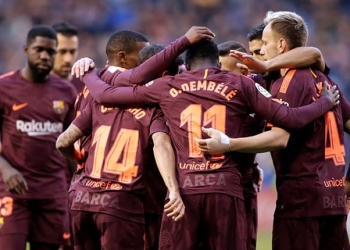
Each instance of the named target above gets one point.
<point>33,220</point>
<point>251,210</point>
<point>152,230</point>
<point>214,220</point>
<point>317,233</point>
<point>102,231</point>
<point>346,242</point>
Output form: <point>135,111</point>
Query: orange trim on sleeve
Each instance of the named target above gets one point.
<point>7,74</point>
<point>286,81</point>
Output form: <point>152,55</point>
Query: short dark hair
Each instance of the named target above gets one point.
<point>256,33</point>
<point>41,30</point>
<point>224,48</point>
<point>150,50</point>
<point>123,40</point>
<point>205,49</point>
<point>65,29</point>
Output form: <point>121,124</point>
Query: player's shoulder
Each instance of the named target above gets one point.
<point>62,84</point>
<point>158,82</point>
<point>9,81</point>
<point>110,71</point>
<point>9,76</point>
<point>302,73</point>
<point>145,115</point>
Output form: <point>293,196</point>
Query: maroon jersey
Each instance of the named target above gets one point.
<point>310,170</point>
<point>113,172</point>
<point>155,187</point>
<point>79,85</point>
<point>32,117</point>
<point>83,100</point>
<point>139,75</point>
<point>207,97</point>
<point>247,166</point>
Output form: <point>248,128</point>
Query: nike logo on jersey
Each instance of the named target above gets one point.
<point>66,236</point>
<point>16,107</point>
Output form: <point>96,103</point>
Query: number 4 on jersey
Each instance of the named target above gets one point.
<point>334,149</point>
<point>124,149</point>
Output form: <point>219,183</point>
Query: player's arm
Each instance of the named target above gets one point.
<point>219,143</point>
<point>65,143</point>
<point>158,63</point>
<point>165,159</point>
<point>13,179</point>
<point>71,107</point>
<point>109,95</point>
<point>299,57</point>
<point>80,126</point>
<point>290,118</point>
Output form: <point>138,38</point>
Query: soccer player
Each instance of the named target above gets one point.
<point>255,43</point>
<point>156,190</point>
<point>122,52</point>
<point>67,53</point>
<point>35,107</point>
<point>228,62</point>
<point>299,56</point>
<point>121,135</point>
<point>252,175</point>
<point>206,95</point>
<point>254,124</point>
<point>310,210</point>
<point>122,46</point>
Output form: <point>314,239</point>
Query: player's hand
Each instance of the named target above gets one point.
<point>243,68</point>
<point>330,92</point>
<point>14,180</point>
<point>255,65</point>
<point>81,66</point>
<point>347,205</point>
<point>258,177</point>
<point>174,207</point>
<point>217,144</point>
<point>197,33</point>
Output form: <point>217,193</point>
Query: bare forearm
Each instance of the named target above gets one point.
<point>268,141</point>
<point>165,160</point>
<point>297,58</point>
<point>4,164</point>
<point>65,142</point>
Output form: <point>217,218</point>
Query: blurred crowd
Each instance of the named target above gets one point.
<point>163,21</point>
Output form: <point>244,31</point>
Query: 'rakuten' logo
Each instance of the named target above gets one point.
<point>34,128</point>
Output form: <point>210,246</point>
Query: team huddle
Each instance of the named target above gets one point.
<point>157,151</point>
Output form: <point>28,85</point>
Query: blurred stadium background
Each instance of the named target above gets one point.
<point>162,21</point>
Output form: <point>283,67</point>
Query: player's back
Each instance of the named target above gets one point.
<point>113,176</point>
<point>209,98</point>
<point>33,115</point>
<point>155,187</point>
<point>310,170</point>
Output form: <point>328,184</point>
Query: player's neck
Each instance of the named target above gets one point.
<point>30,76</point>
<point>202,65</point>
<point>284,71</point>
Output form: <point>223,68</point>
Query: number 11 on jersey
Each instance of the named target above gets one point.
<point>192,116</point>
